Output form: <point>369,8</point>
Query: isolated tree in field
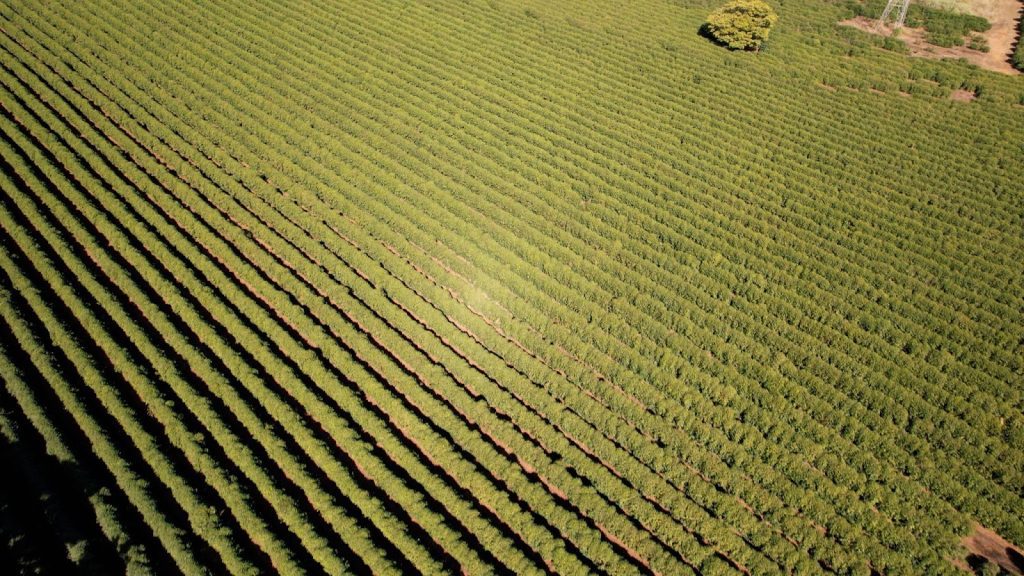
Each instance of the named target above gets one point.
<point>742,24</point>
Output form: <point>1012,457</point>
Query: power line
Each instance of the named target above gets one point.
<point>900,17</point>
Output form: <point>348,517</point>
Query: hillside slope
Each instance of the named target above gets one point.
<point>502,287</point>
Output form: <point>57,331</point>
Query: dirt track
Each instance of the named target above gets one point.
<point>1004,16</point>
<point>993,547</point>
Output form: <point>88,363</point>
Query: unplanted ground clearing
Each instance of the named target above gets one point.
<point>963,95</point>
<point>1002,37</point>
<point>1004,16</point>
<point>994,548</point>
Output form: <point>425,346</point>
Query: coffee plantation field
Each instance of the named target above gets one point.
<point>502,286</point>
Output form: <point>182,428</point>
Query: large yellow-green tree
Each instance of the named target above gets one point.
<point>742,24</point>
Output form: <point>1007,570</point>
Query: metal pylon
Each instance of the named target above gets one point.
<point>900,17</point>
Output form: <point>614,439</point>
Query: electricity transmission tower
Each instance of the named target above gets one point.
<point>900,17</point>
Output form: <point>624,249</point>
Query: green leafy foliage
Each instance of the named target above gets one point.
<point>742,24</point>
<point>989,568</point>
<point>946,28</point>
<point>978,42</point>
<point>1018,52</point>
<point>894,44</point>
<point>486,287</point>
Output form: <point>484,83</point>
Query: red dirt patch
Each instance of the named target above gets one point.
<point>994,548</point>
<point>1003,16</point>
<point>962,95</point>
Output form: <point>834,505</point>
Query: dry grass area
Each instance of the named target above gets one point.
<point>987,544</point>
<point>1002,37</point>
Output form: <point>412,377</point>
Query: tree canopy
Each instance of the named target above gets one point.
<point>742,24</point>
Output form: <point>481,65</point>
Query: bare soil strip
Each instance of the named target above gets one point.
<point>994,548</point>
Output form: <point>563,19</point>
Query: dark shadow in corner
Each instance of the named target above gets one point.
<point>976,562</point>
<point>30,543</point>
<point>1016,558</point>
